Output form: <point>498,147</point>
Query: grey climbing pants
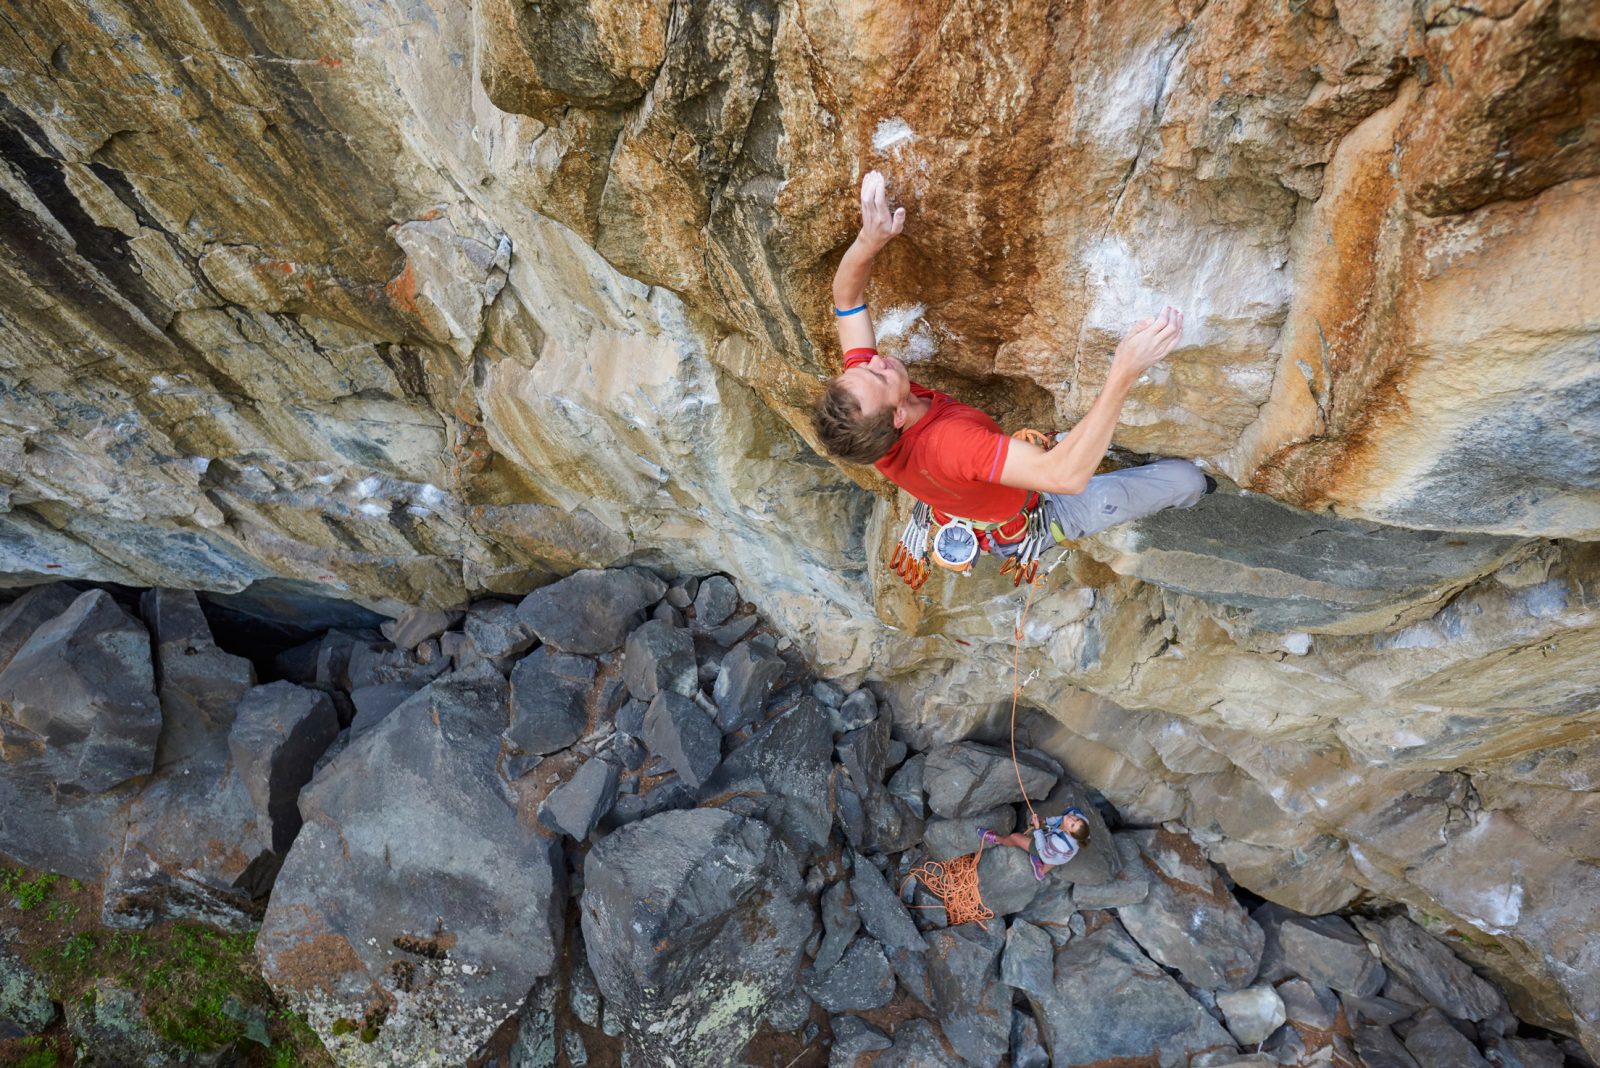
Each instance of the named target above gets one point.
<point>1123,496</point>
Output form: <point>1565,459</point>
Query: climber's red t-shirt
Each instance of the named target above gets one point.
<point>950,458</point>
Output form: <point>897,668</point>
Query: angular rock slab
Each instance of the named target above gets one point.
<point>1283,569</point>
<point>973,1005</point>
<point>917,1045</point>
<point>1189,920</point>
<point>675,728</point>
<point>744,682</point>
<point>83,686</point>
<point>20,618</point>
<point>549,693</point>
<point>1427,965</point>
<point>1327,950</point>
<point>1252,1013</point>
<point>575,807</point>
<point>693,922</point>
<point>785,766</point>
<point>966,778</point>
<point>198,683</point>
<point>658,656</point>
<point>860,980</point>
<point>413,883</point>
<point>1111,1001</point>
<point>279,731</point>
<point>590,612</point>
<point>197,846</point>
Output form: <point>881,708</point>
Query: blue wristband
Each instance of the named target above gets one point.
<point>841,314</point>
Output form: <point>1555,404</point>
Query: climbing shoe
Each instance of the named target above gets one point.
<point>988,837</point>
<point>1040,868</point>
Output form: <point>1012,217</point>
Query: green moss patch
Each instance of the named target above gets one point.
<point>200,987</point>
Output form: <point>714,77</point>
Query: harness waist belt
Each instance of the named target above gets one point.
<point>1006,531</point>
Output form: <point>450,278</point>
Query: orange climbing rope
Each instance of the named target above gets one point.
<point>955,882</point>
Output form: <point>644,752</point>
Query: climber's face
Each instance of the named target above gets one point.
<point>878,385</point>
<point>1072,825</point>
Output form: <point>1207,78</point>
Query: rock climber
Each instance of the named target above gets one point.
<point>1014,495</point>
<point>1055,840</point>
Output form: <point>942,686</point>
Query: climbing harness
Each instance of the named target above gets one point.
<point>956,542</point>
<point>955,882</point>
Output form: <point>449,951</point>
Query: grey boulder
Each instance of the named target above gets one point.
<point>1434,1043</point>
<point>1327,950</point>
<point>785,766</point>
<point>1150,1018</point>
<point>658,656</point>
<point>840,922</point>
<point>675,728</point>
<point>83,688</point>
<point>20,618</point>
<point>744,682</point>
<point>495,629</point>
<point>948,839</point>
<point>881,911</point>
<point>916,1045</point>
<point>549,694</point>
<point>590,612</point>
<point>413,884</point>
<point>1189,920</point>
<point>714,602</point>
<point>966,778</point>
<point>1006,880</point>
<point>279,731</point>
<point>416,625</point>
<point>197,682</point>
<point>693,923</point>
<point>973,1005</point>
<point>1252,1013</point>
<point>1427,966</point>
<point>574,808</point>
<point>1028,962</point>
<point>853,1036</point>
<point>861,980</point>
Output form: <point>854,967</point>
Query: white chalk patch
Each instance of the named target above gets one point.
<point>891,132</point>
<point>1297,643</point>
<point>368,486</point>
<point>373,508</point>
<point>897,322</point>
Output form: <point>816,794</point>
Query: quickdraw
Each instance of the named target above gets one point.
<point>910,557</point>
<point>1023,566</point>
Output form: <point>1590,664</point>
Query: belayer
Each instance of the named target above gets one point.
<point>984,490</point>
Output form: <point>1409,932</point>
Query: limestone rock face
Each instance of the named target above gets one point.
<point>408,304</point>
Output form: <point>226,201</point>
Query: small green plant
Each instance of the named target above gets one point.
<point>79,948</point>
<point>283,1057</point>
<point>38,1058</point>
<point>30,893</point>
<point>344,1026</point>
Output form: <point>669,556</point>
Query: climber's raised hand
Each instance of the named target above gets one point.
<point>1148,342</point>
<point>879,225</point>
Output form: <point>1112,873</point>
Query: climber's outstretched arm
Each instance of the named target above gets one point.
<point>1068,467</point>
<point>879,225</point>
